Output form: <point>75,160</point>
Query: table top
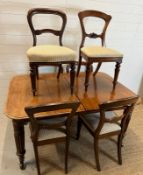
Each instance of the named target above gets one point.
<point>100,90</point>
<point>52,90</point>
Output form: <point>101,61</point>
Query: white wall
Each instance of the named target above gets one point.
<point>125,33</point>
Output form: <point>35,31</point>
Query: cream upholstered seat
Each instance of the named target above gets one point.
<point>100,52</point>
<point>112,120</point>
<point>46,133</point>
<point>50,53</point>
<point>94,118</point>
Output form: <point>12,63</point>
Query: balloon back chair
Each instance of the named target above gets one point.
<point>55,55</point>
<point>96,54</point>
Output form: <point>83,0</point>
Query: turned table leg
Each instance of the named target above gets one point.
<point>19,136</point>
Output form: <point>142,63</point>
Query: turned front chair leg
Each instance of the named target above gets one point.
<point>88,68</point>
<point>79,65</point>
<point>37,72</point>
<point>60,71</point>
<point>72,77</point>
<point>33,78</point>
<point>117,70</point>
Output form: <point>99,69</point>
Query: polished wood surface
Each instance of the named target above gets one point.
<point>52,90</point>
<point>49,90</point>
<point>100,90</point>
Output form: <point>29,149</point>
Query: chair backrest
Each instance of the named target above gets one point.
<point>36,126</point>
<point>93,13</point>
<point>35,32</point>
<point>125,105</point>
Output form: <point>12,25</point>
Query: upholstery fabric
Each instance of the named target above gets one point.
<point>52,133</point>
<point>50,53</point>
<point>93,121</point>
<point>96,51</point>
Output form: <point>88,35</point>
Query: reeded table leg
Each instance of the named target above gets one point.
<point>19,135</point>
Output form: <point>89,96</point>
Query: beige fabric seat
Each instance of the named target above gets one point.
<point>97,51</point>
<point>52,133</point>
<point>93,121</point>
<point>50,53</point>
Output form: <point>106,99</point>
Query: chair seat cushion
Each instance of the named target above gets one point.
<point>50,53</point>
<point>93,121</point>
<point>45,134</point>
<point>100,52</point>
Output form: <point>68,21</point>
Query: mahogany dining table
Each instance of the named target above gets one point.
<point>53,90</point>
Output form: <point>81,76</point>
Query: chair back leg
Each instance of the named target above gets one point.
<point>79,65</point>
<point>36,158</point>
<point>120,138</point>
<point>66,154</point>
<point>96,151</point>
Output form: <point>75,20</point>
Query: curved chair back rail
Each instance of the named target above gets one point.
<point>35,32</point>
<point>93,13</point>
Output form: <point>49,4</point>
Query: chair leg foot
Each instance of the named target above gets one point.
<point>66,154</point>
<point>119,149</point>
<point>36,158</point>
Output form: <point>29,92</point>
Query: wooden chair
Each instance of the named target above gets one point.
<point>54,129</point>
<point>54,55</point>
<point>107,123</point>
<point>97,54</point>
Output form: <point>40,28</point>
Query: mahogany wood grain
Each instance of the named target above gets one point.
<point>49,90</point>
<point>100,90</point>
<point>53,90</point>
